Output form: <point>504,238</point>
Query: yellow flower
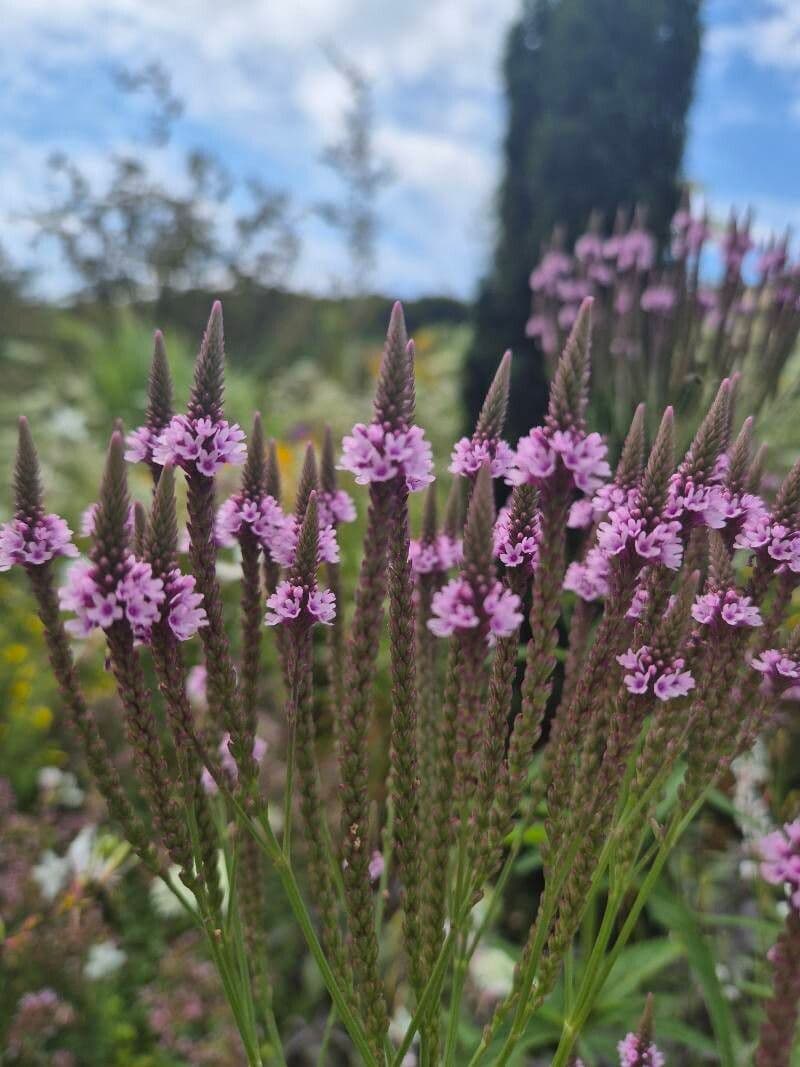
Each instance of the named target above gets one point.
<point>42,717</point>
<point>15,653</point>
<point>20,691</point>
<point>285,455</point>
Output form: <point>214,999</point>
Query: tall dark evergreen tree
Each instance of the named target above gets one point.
<point>597,100</point>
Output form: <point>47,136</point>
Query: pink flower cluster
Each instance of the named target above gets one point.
<point>295,603</point>
<point>780,855</point>
<point>516,547</point>
<point>31,544</point>
<point>201,444</point>
<point>665,680</point>
<point>458,608</point>
<point>588,579</point>
<point>658,299</point>
<point>689,233</point>
<point>582,455</point>
<point>228,763</point>
<point>140,445</point>
<point>138,597</point>
<point>335,507</point>
<point>627,530</point>
<point>728,606</point>
<point>434,557</point>
<point>778,667</point>
<point>634,1053</point>
<point>185,612</point>
<point>696,504</point>
<point>374,453</point>
<point>587,511</point>
<point>264,517</point>
<point>284,543</point>
<point>771,540</point>
<point>472,453</point>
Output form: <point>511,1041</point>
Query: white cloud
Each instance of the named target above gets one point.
<point>253,71</point>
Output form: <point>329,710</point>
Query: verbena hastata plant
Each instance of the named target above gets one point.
<point>672,667</point>
<point>662,328</point>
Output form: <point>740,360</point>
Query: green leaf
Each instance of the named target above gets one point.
<point>669,910</point>
<point>687,1037</point>
<point>635,966</point>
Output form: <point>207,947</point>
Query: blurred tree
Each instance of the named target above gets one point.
<point>597,100</point>
<point>133,235</point>
<point>353,160</point>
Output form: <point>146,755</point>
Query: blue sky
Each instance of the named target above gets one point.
<point>257,88</point>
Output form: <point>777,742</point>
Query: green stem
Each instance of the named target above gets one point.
<point>599,965</point>
<point>353,1025</point>
<point>326,1037</point>
<point>288,798</point>
<point>429,993</point>
<point>460,966</point>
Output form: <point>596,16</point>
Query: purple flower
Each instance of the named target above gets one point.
<point>31,544</point>
<point>609,496</point>
<point>696,504</point>
<point>185,612</point>
<point>771,541</point>
<point>516,548</point>
<point>581,515</point>
<point>457,608</point>
<point>589,579</point>
<point>639,602</point>
<point>628,531</point>
<point>228,763</point>
<point>138,596</point>
<point>567,315</point>
<point>375,454</point>
<point>435,557</point>
<point>542,326</point>
<point>284,542</point>
<point>376,867</point>
<point>637,251</point>
<point>729,607</point>
<point>658,299</point>
<point>780,669</point>
<point>140,444</point>
<point>589,247</point>
<point>199,444</point>
<point>335,507</point>
<point>264,516</point>
<point>197,684</point>
<point>666,680</point>
<point>538,454</point>
<point>295,603</point>
<point>780,856</point>
<point>471,453</point>
<point>633,1052</point>
<point>553,265</point>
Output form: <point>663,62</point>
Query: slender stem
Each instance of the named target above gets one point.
<point>460,966</point>
<point>429,993</point>
<point>288,797</point>
<point>353,1025</point>
<point>265,838</point>
<point>326,1037</point>
<point>599,965</point>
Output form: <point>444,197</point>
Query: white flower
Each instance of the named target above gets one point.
<point>104,958</point>
<point>492,971</point>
